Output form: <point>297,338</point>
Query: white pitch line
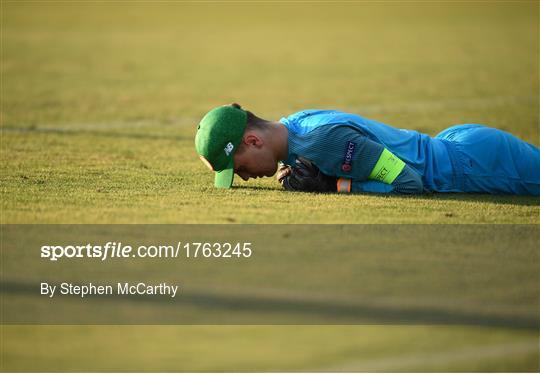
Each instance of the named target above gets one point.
<point>429,360</point>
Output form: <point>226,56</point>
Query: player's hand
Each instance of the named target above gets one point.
<point>305,176</point>
<point>283,171</point>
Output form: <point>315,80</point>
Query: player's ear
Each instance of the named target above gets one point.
<point>252,138</point>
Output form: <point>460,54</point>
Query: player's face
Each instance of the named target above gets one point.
<point>251,161</point>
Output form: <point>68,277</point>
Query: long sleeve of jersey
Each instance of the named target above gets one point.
<point>408,182</point>
<point>344,151</point>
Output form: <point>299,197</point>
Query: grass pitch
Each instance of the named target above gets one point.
<point>99,105</point>
<point>100,102</point>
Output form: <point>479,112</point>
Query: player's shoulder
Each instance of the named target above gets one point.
<point>327,137</point>
<point>306,121</point>
<point>311,113</point>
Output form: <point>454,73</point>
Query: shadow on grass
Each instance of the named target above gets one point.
<point>478,198</point>
<point>258,188</point>
<point>461,197</point>
<point>295,310</point>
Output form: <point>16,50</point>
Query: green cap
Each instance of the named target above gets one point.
<point>218,136</point>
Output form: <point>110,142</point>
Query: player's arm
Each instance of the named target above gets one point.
<point>360,164</point>
<point>408,182</point>
<point>305,176</point>
<point>390,175</point>
<point>374,168</point>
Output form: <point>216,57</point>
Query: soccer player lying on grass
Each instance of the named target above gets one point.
<point>329,151</point>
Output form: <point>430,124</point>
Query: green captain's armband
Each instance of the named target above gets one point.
<point>387,168</point>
